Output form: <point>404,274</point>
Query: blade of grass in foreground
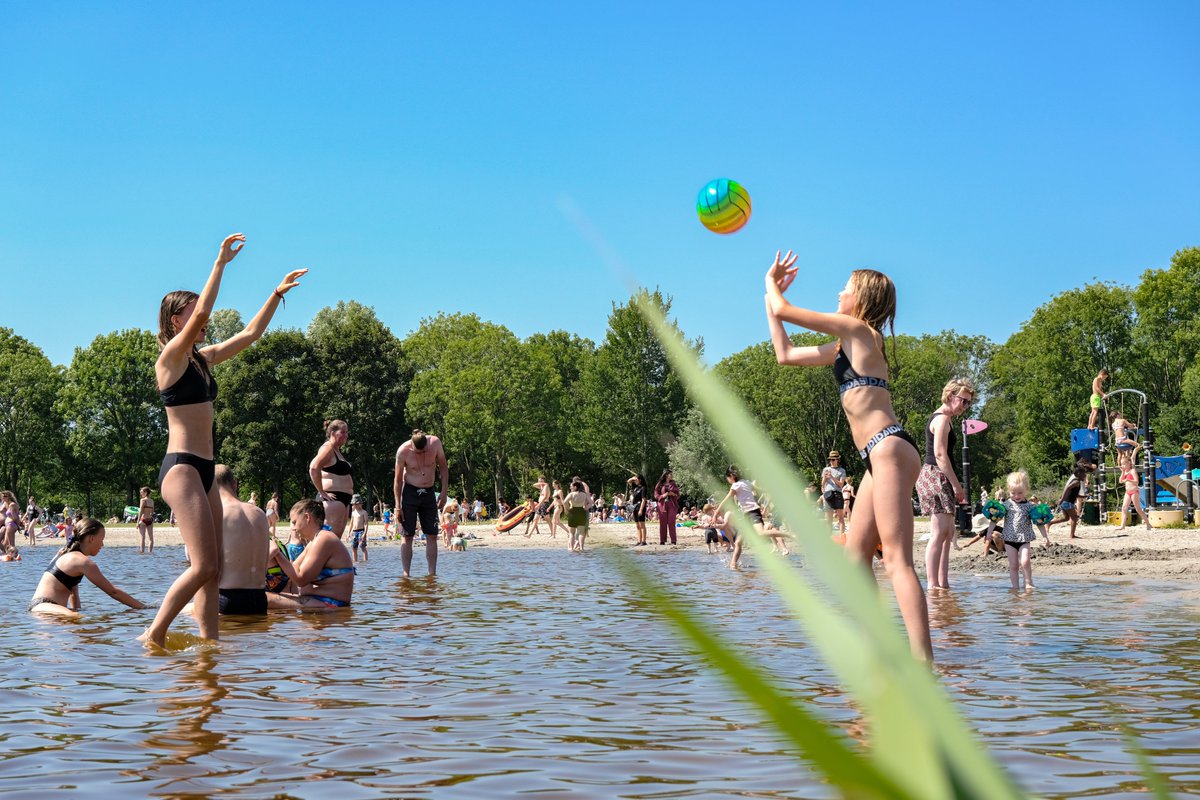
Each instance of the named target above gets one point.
<point>843,766</point>
<point>917,736</point>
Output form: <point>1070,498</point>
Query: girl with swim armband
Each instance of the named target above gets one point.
<point>58,590</point>
<point>185,384</point>
<point>883,512</point>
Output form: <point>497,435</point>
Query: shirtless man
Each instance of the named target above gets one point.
<point>416,462</point>
<point>246,551</point>
<point>541,509</point>
<point>1097,399</point>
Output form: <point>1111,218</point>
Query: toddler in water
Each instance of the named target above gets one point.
<point>1017,533</point>
<point>450,523</point>
<point>11,554</point>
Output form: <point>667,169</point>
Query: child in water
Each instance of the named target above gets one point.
<point>1017,533</point>
<point>58,590</point>
<point>449,522</point>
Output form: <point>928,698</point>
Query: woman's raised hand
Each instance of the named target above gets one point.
<point>232,245</point>
<point>291,281</point>
<point>783,271</point>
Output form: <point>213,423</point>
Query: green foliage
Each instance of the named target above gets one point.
<point>631,401</point>
<point>117,430</point>
<point>268,419</point>
<point>30,425</point>
<point>224,323</point>
<point>696,455</point>
<point>364,380</point>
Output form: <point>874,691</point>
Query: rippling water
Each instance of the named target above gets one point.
<point>522,672</point>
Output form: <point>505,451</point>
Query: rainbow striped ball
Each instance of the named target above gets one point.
<point>723,206</point>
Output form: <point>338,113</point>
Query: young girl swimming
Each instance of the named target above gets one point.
<point>860,367</point>
<point>58,590</point>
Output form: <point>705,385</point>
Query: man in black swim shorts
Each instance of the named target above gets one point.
<point>244,537</point>
<point>418,461</point>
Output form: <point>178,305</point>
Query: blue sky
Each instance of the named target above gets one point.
<point>418,157</point>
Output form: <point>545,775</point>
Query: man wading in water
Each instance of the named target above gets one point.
<point>416,461</point>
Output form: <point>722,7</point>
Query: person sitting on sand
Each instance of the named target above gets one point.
<point>324,571</point>
<point>58,590</point>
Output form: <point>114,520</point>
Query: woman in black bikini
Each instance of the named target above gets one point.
<point>884,508</point>
<point>333,476</point>
<point>58,590</point>
<point>187,388</point>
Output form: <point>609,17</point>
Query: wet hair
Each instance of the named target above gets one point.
<point>311,507</point>
<point>145,491</point>
<point>174,303</point>
<point>1018,482</point>
<point>419,439</point>
<point>875,303</point>
<point>955,387</point>
<point>732,472</point>
<point>332,426</point>
<point>83,528</point>
<point>223,477</point>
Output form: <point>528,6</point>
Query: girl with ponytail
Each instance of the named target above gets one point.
<point>58,590</point>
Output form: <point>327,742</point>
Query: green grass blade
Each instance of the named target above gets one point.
<point>843,766</point>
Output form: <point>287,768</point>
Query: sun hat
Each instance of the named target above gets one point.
<point>835,454</point>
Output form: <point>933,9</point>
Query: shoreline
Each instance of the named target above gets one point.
<point>1099,550</point>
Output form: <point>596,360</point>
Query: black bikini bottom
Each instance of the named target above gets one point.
<point>205,466</point>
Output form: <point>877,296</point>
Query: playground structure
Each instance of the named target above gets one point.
<point>1172,477</point>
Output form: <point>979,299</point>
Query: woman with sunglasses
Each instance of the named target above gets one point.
<point>938,488</point>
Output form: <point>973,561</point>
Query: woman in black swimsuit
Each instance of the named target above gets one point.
<point>883,513</point>
<point>333,476</point>
<point>58,590</point>
<point>187,388</point>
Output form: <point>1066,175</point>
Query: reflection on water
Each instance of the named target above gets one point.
<point>520,672</point>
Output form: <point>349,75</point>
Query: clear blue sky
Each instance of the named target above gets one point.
<point>417,157</point>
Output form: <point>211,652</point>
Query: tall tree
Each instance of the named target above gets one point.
<point>363,378</point>
<point>632,402</point>
<point>111,405</point>
<point>30,426</point>
<point>268,418</point>
<point>223,323</point>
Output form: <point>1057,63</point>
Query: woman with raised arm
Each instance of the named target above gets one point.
<point>860,367</point>
<point>187,388</point>
<point>333,476</point>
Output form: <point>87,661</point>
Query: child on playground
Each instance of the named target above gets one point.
<point>1133,494</point>
<point>884,516</point>
<point>1017,532</point>
<point>1097,397</point>
<point>1068,502</point>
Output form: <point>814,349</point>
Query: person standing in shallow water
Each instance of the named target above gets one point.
<point>418,462</point>
<point>883,512</point>
<point>666,493</point>
<point>333,477</point>
<point>938,487</point>
<point>145,524</point>
<point>185,384</point>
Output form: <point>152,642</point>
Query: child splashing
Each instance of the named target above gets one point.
<point>883,511</point>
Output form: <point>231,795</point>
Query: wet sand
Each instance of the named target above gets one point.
<point>1099,550</point>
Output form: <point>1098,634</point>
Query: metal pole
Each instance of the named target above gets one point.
<point>964,512</point>
<point>1190,486</point>
<point>1151,468</point>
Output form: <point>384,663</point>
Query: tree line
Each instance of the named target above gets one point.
<point>91,433</point>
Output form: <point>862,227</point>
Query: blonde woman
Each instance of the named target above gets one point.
<point>938,487</point>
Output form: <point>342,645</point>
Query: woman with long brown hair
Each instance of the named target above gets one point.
<point>860,367</point>
<point>187,389</point>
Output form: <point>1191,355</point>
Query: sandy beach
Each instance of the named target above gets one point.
<point>1099,550</point>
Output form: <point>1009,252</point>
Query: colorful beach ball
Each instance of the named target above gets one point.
<point>1041,514</point>
<point>994,510</point>
<point>723,206</point>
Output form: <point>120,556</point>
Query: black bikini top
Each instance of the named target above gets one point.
<point>340,466</point>
<point>69,581</point>
<point>191,388</point>
<point>848,379</point>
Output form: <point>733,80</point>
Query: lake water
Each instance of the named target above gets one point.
<point>539,673</point>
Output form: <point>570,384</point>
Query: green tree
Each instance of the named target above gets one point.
<point>1044,371</point>
<point>223,323</point>
<point>117,429</point>
<point>364,379</point>
<point>30,426</point>
<point>631,401</point>
<point>552,447</point>
<point>268,418</point>
<point>697,456</point>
